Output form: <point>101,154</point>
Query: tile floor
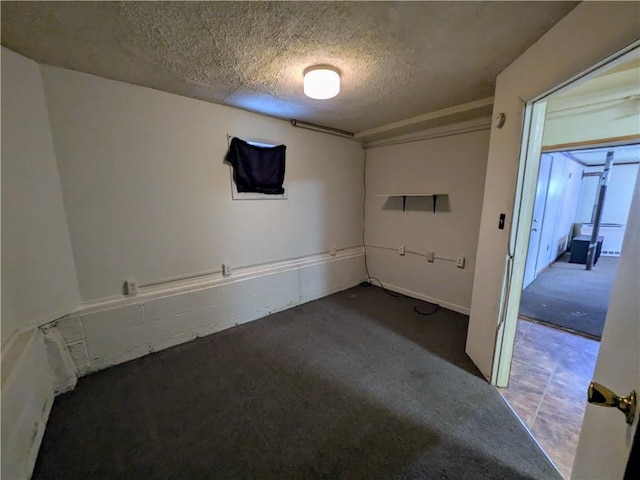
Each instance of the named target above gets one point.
<point>550,374</point>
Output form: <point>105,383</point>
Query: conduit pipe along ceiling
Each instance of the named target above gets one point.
<point>321,82</point>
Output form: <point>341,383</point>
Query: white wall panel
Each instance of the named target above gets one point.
<point>454,165</point>
<point>38,272</point>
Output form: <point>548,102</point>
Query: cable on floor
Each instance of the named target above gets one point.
<point>435,308</point>
<point>388,292</point>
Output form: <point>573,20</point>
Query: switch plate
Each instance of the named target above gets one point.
<point>401,250</point>
<point>226,270</point>
<point>460,262</point>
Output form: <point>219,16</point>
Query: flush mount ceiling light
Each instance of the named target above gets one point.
<point>321,82</point>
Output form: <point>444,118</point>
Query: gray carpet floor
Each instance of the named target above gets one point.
<point>353,386</point>
<point>568,296</point>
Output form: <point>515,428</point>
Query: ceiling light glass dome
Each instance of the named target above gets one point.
<point>321,82</point>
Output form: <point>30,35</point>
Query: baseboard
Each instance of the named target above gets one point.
<point>41,426</point>
<point>107,332</point>
<point>427,298</point>
<point>43,320</point>
<point>27,397</point>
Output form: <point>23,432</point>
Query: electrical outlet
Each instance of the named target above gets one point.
<point>226,269</point>
<point>401,250</point>
<point>131,286</point>
<point>431,256</point>
<point>460,262</point>
<point>333,251</point>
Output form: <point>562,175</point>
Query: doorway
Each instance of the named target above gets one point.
<point>558,290</point>
<point>556,321</point>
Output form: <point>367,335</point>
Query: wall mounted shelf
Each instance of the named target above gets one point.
<point>405,195</point>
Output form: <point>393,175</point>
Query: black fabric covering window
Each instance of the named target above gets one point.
<point>257,169</point>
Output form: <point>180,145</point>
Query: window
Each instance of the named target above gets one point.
<point>258,170</point>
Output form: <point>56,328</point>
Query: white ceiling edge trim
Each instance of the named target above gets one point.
<point>475,125</point>
<point>585,164</point>
<point>445,112</point>
<point>592,107</point>
<point>603,96</point>
<point>604,143</point>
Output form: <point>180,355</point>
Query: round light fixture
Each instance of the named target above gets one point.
<point>321,82</point>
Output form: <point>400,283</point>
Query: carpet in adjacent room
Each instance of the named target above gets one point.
<point>568,296</point>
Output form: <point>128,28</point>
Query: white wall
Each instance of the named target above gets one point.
<point>592,125</point>
<point>569,207</point>
<point>547,248</point>
<point>147,194</point>
<point>577,42</point>
<point>560,209</point>
<point>38,273</point>
<point>454,165</point>
<point>619,192</point>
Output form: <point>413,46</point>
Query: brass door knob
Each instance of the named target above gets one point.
<point>602,396</point>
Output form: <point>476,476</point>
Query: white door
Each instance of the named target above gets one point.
<point>530,270</point>
<point>605,438</point>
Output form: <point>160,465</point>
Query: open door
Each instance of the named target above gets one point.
<point>606,438</point>
<point>531,267</point>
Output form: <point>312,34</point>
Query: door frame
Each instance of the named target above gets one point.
<point>528,168</point>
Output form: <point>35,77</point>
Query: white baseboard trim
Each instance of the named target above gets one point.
<point>41,426</point>
<point>27,398</point>
<point>43,320</point>
<point>427,298</point>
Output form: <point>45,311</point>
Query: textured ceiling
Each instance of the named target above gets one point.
<point>397,59</point>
